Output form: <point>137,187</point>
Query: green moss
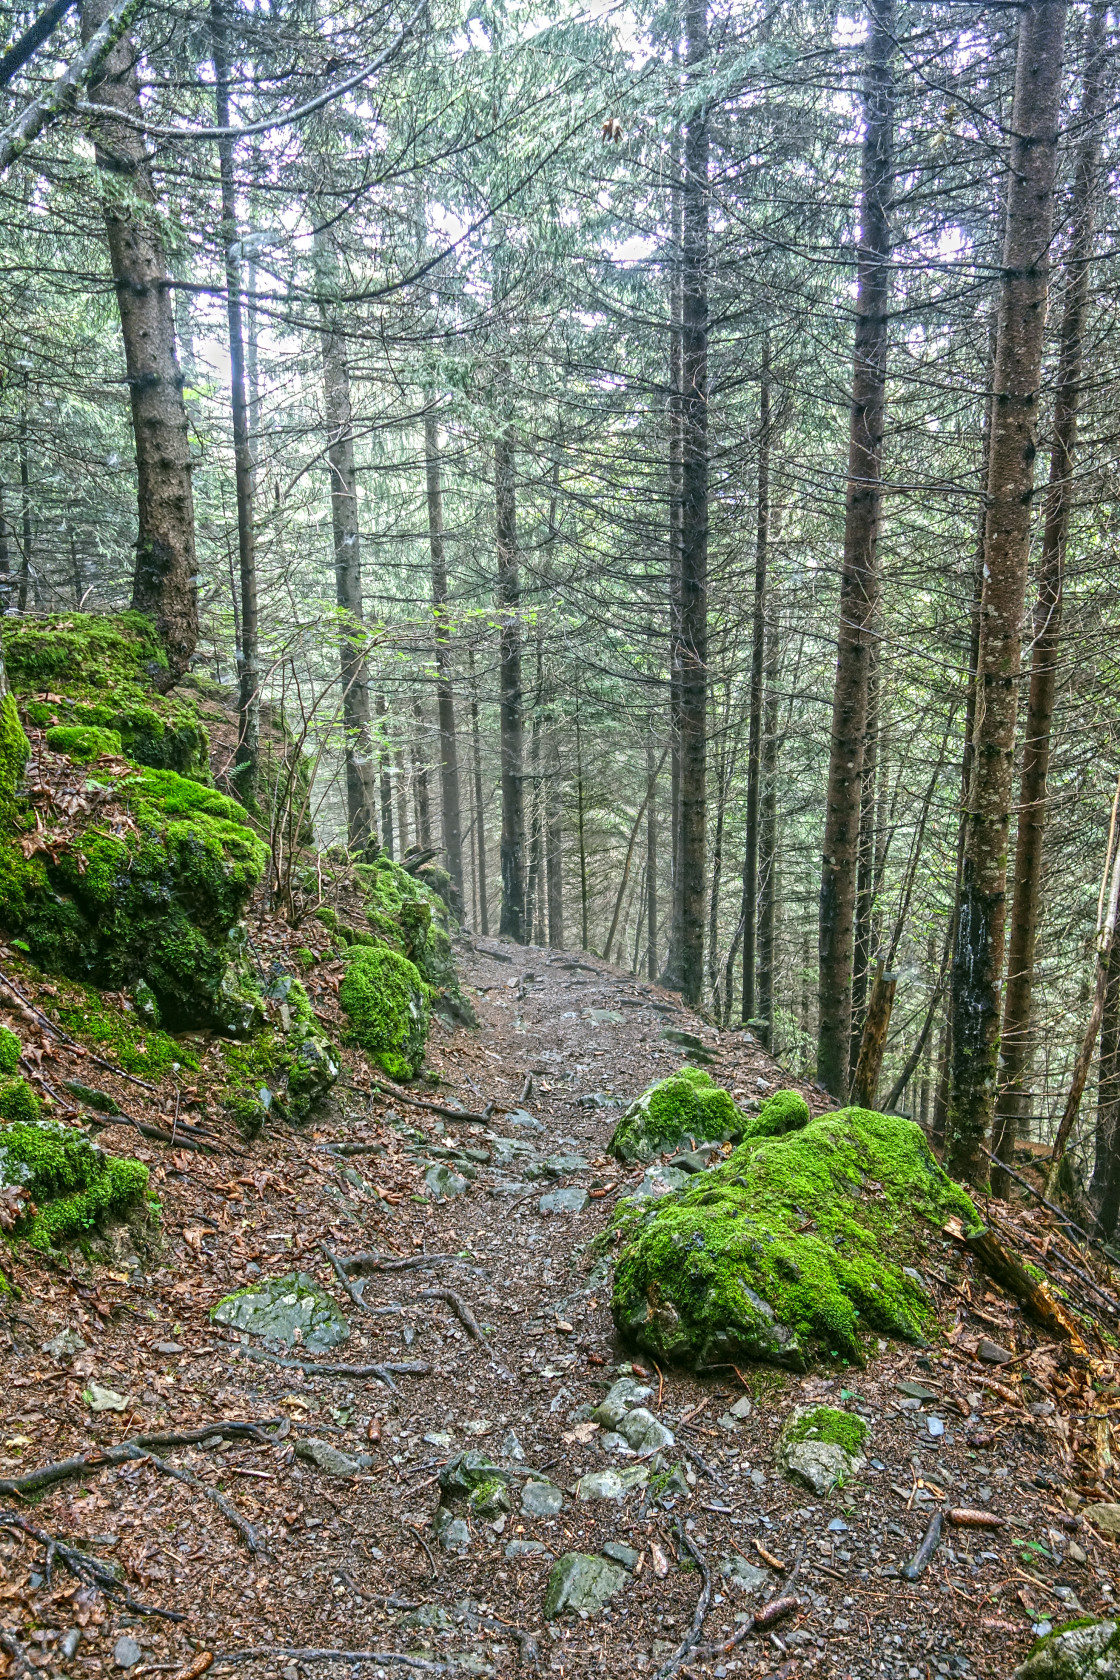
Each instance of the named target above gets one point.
<point>156,900</point>
<point>409,916</point>
<point>83,744</point>
<point>387,1002</point>
<point>827,1423</point>
<point>286,1073</point>
<point>686,1105</point>
<point>73,1183</point>
<point>784,1111</point>
<point>15,749</point>
<point>795,1244</point>
<point>103,671</point>
<point>18,1101</point>
<point>10,1051</point>
<point>121,1035</point>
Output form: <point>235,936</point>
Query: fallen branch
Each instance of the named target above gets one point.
<point>383,1373</point>
<point>370,1263</point>
<point>1036,1297</point>
<point>106,1458</point>
<point>87,1569</point>
<point>386,1089</point>
<point>772,1611</point>
<point>180,1140</point>
<point>692,1637</point>
<point>919,1563</point>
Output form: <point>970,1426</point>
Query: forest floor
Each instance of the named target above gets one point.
<point>352,1564</point>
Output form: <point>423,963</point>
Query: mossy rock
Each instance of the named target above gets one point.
<point>287,1309</point>
<point>72,1184</point>
<point>123,1035</point>
<point>287,1070</point>
<point>103,672</point>
<point>1083,1649</point>
<point>822,1447</point>
<point>784,1111</point>
<point>150,890</point>
<point>411,916</point>
<point>687,1105</point>
<point>793,1247</point>
<point>387,1004</point>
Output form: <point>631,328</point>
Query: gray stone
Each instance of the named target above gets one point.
<point>167,1347</point>
<point>1105,1517</point>
<point>935,1426</point>
<point>820,1465</point>
<point>443,1183</point>
<point>993,1354</point>
<point>100,1399</point>
<point>741,1408</point>
<point>126,1652</point>
<point>612,1484</point>
<point>451,1531</point>
<point>642,1431</point>
<point>288,1309</point>
<point>618,1400</point>
<point>467,1472</point>
<point>512,1448</point>
<point>581,1582</point>
<point>744,1576</point>
<point>490,1498</point>
<point>571,1200</point>
<point>428,1616</point>
<point>696,1160</point>
<point>560,1166</point>
<point>541,1499</point>
<point>659,1181</point>
<point>527,1548</point>
<point>917,1390</point>
<point>522,1121</point>
<point>330,1461</point>
<point>65,1345</point>
<point>618,1552</point>
<point>1083,1653</point>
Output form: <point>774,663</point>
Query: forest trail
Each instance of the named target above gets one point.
<point>351,1563</point>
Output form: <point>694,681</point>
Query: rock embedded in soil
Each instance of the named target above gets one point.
<point>612,1484</point>
<point>581,1582</point>
<point>541,1499</point>
<point>992,1353</point>
<point>126,1652</point>
<point>572,1199</point>
<point>451,1531</point>
<point>1104,1516</point>
<point>820,1447</point>
<point>618,1552</point>
<point>1085,1652</point>
<point>291,1309</point>
<point>443,1183</point>
<point>685,1108</point>
<point>643,1432</point>
<point>744,1576</point>
<point>330,1460</point>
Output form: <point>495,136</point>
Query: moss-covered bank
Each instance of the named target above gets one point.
<point>793,1246</point>
<point>387,1003</point>
<point>61,1185</point>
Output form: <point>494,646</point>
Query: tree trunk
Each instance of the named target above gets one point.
<point>402,802</point>
<point>873,1041</point>
<point>445,694</point>
<point>24,511</point>
<point>361,772</point>
<point>671,976</point>
<point>165,578</point>
<point>420,778</point>
<point>859,586</point>
<point>512,923</point>
<point>754,741</point>
<point>694,522</point>
<point>582,833</point>
<point>247,756</point>
<point>863,954</point>
<point>1015,1037</point>
<point>1105,1188</point>
<point>554,811</point>
<point>768,842</point>
<point>385,777</point>
<point>978,963</point>
<point>651,856</point>
<point>480,813</point>
<point>533,884</point>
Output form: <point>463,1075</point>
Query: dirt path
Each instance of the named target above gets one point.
<point>354,1564</point>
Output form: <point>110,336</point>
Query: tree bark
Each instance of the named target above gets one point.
<point>671,975</point>
<point>978,963</point>
<point>165,577</point>
<point>694,522</point>
<point>859,587</point>
<point>863,951</point>
<point>385,779</point>
<point>361,771</point>
<point>420,777</point>
<point>554,814</point>
<point>510,699</point>
<point>1105,1187</point>
<point>1015,1036</point>
<point>768,842</point>
<point>247,757</point>
<point>651,855</point>
<point>479,809</point>
<point>873,1041</point>
<point>749,911</point>
<point>445,694</point>
<point>534,876</point>
<point>24,510</point>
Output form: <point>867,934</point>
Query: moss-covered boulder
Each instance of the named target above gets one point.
<point>688,1106</point>
<point>387,1004</point>
<point>102,672</point>
<point>287,1068</point>
<point>55,1184</point>
<point>145,884</point>
<point>795,1245</point>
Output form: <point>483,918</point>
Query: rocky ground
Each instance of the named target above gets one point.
<point>486,1303</point>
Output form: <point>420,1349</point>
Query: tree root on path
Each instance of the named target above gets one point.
<point>297,1653</point>
<point>85,1568</point>
<point>107,1458</point>
<point>246,1530</point>
<point>692,1637</point>
<point>383,1373</point>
